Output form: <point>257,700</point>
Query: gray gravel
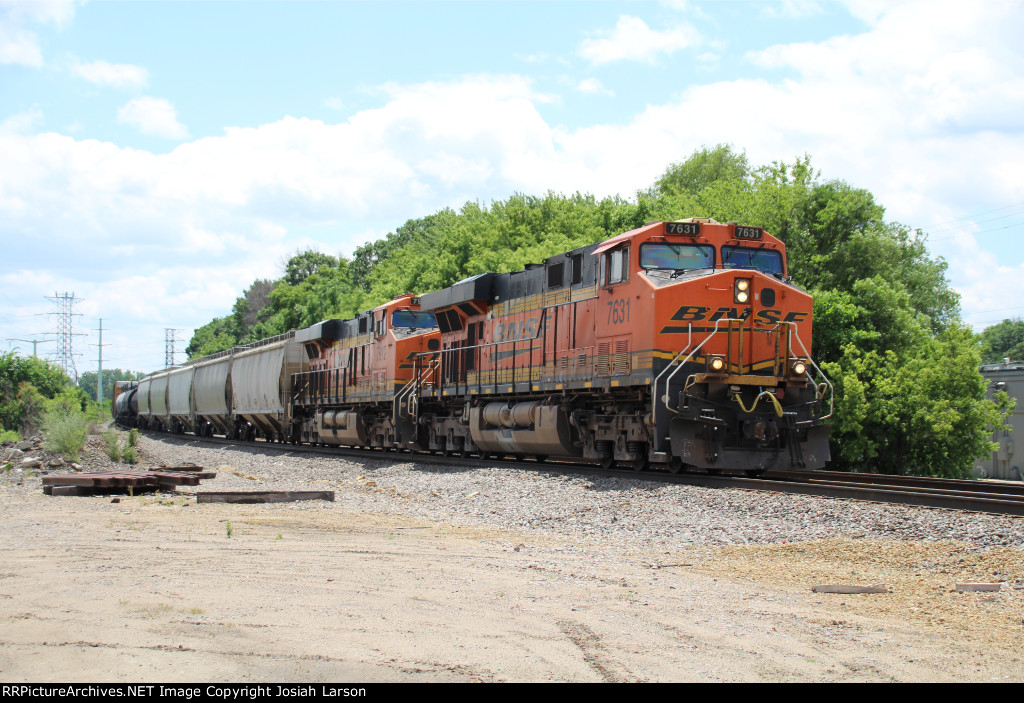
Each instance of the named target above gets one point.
<point>621,510</point>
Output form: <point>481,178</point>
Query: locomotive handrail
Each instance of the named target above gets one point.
<point>536,335</point>
<point>416,380</point>
<point>792,327</point>
<point>832,390</point>
<point>654,399</point>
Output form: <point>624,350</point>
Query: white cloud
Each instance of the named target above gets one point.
<point>923,127</point>
<point>153,116</point>
<point>792,9</point>
<point>334,104</point>
<point>23,122</point>
<point>593,86</point>
<point>633,40</point>
<point>118,75</point>
<point>18,44</point>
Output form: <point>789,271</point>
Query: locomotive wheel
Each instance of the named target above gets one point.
<point>541,458</point>
<point>639,463</point>
<point>608,462</point>
<point>675,465</point>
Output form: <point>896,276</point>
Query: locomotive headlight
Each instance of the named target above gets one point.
<point>741,290</point>
<point>799,368</point>
<point>716,364</point>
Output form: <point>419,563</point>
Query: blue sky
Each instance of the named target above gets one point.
<point>157,157</point>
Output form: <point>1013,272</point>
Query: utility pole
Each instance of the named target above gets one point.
<point>65,331</point>
<point>99,371</point>
<point>33,342</point>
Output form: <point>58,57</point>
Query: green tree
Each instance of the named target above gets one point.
<point>1001,341</point>
<point>25,384</point>
<point>87,381</point>
<point>704,167</point>
<point>217,335</point>
<point>305,263</point>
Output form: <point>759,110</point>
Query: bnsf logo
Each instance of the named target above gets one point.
<point>695,313</point>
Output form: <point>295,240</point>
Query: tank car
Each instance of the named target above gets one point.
<point>125,404</point>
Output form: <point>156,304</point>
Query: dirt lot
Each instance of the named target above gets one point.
<point>158,588</point>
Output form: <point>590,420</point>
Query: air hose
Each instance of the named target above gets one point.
<point>771,397</point>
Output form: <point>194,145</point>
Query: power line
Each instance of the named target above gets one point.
<point>984,231</point>
<point>977,214</point>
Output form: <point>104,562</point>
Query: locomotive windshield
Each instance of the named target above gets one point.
<point>413,318</point>
<point>677,257</point>
<point>764,260</point>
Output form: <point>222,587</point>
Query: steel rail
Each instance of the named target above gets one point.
<point>823,484</point>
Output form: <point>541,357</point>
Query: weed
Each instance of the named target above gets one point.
<point>8,467</point>
<point>133,438</point>
<point>130,455</point>
<point>278,538</point>
<point>156,609</point>
<point>113,444</point>
<point>228,527</point>
<point>195,611</point>
<point>65,431</point>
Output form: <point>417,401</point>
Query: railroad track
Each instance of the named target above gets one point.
<point>952,494</point>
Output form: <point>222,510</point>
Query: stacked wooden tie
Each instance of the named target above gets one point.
<point>125,481</point>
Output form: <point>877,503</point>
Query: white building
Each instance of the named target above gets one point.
<point>1005,462</point>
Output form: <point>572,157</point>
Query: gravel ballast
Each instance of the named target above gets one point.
<point>607,508</point>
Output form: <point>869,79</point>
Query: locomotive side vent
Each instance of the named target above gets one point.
<point>612,358</point>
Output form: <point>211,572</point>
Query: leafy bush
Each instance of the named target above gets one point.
<point>65,431</point>
<point>130,455</point>
<point>9,436</point>
<point>133,438</point>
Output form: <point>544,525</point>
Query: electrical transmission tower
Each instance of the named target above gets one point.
<point>170,337</point>
<point>65,331</point>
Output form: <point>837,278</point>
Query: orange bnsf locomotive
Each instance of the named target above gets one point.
<point>682,345</point>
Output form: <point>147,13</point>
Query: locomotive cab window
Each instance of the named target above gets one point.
<point>615,266</point>
<point>407,322</point>
<point>677,257</point>
<point>765,260</point>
